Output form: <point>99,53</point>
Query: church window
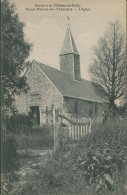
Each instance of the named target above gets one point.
<point>90,113</point>
<point>96,109</point>
<point>76,107</point>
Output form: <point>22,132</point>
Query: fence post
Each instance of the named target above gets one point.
<point>56,135</point>
<point>55,128</point>
<point>53,116</point>
<point>90,125</point>
<point>46,111</point>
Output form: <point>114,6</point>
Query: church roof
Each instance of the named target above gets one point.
<point>68,87</point>
<point>68,44</point>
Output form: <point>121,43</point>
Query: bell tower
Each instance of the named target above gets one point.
<point>69,56</point>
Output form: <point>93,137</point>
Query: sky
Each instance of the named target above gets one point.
<point>47,29</point>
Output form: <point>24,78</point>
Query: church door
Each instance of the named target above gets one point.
<point>36,114</point>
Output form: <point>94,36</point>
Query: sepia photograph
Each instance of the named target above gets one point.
<point>63,97</point>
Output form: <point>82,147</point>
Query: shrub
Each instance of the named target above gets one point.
<point>90,166</point>
<point>105,156</point>
<point>19,122</point>
<point>123,110</point>
<point>9,154</point>
<point>36,138</point>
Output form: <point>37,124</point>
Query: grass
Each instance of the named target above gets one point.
<point>95,165</point>
<point>38,138</point>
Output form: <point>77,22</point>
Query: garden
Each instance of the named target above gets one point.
<point>96,164</point>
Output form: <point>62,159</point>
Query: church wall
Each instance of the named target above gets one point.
<point>42,93</point>
<point>83,108</point>
<point>105,106</point>
<point>67,63</point>
<point>71,63</point>
<point>77,67</point>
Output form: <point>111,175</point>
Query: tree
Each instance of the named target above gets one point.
<point>14,52</point>
<point>108,67</point>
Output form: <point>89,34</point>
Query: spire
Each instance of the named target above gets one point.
<point>69,56</point>
<point>68,44</point>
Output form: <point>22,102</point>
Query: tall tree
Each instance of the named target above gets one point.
<point>14,52</point>
<point>108,67</point>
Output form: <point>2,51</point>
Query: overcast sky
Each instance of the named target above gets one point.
<point>46,29</point>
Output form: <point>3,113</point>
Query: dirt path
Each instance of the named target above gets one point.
<point>30,165</point>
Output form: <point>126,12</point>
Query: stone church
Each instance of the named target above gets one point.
<point>64,88</point>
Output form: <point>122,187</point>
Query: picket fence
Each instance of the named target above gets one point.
<point>78,127</point>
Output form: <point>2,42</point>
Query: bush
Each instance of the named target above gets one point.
<point>36,138</point>
<point>18,123</point>
<point>29,136</point>
<point>105,156</point>
<point>9,154</point>
<point>123,110</point>
<point>91,166</point>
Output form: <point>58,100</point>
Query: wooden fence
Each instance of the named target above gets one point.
<point>78,127</point>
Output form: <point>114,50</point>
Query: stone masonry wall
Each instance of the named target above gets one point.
<point>77,74</point>
<point>67,63</point>
<point>84,108</point>
<point>42,93</point>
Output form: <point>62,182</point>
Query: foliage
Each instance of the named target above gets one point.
<point>14,52</point>
<point>63,137</point>
<point>9,154</point>
<point>18,123</point>
<point>94,165</point>
<point>7,180</point>
<point>35,138</point>
<point>108,68</point>
<point>113,114</point>
<point>123,110</point>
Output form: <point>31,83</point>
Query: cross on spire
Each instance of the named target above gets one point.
<point>68,22</point>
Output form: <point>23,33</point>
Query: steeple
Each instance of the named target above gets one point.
<point>68,44</point>
<point>69,56</point>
